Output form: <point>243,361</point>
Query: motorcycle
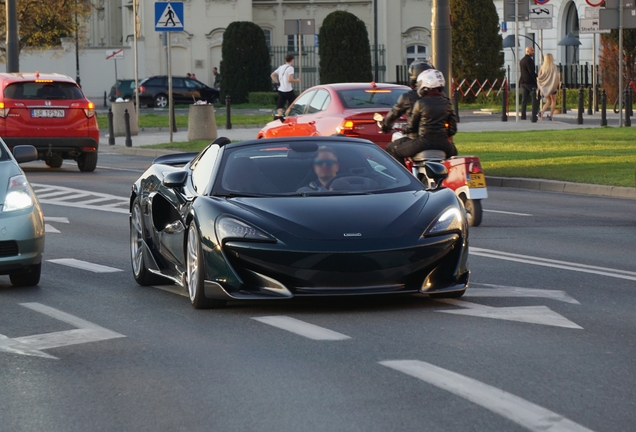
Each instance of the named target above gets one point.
<point>465,176</point>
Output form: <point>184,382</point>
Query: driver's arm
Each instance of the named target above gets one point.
<point>400,107</point>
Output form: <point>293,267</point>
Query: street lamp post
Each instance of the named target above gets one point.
<point>375,40</point>
<point>77,68</point>
<point>13,49</point>
<point>441,32</point>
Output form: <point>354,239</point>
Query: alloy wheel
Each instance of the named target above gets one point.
<point>193,262</point>
<point>136,240</point>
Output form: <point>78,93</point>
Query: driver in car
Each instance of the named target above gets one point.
<point>326,168</point>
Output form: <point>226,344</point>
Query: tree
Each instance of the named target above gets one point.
<point>608,61</point>
<point>345,54</point>
<point>477,44</point>
<point>246,64</point>
<point>42,24</point>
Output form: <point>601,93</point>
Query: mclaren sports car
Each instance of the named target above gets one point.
<point>291,217</point>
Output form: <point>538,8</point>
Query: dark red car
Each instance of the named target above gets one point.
<point>49,112</point>
<point>345,109</point>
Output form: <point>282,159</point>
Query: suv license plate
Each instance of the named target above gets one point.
<point>47,113</point>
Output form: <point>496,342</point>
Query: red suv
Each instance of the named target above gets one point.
<point>49,112</point>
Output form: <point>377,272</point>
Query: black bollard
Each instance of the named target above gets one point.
<point>111,128</point>
<point>105,103</point>
<point>456,103</point>
<point>590,96</point>
<point>535,105</point>
<point>228,112</point>
<point>504,105</point>
<point>564,93</point>
<point>127,123</point>
<point>579,118</point>
<point>630,94</point>
<point>174,120</point>
<point>603,108</point>
<point>628,107</point>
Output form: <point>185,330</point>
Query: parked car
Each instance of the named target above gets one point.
<point>153,91</point>
<point>123,88</point>
<point>345,109</point>
<point>247,221</point>
<point>49,112</point>
<point>21,219</point>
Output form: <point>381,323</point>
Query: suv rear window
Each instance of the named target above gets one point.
<point>370,98</point>
<point>36,90</point>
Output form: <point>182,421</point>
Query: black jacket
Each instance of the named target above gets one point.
<point>403,105</point>
<point>433,117</point>
<point>528,74</point>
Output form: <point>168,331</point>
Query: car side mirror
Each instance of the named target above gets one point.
<point>175,179</point>
<point>25,153</point>
<point>436,172</point>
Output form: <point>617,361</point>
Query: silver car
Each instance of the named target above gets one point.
<point>21,219</point>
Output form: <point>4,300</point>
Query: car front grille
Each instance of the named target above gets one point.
<point>8,248</point>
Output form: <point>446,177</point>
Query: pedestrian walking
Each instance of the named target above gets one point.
<point>284,77</point>
<point>528,80</point>
<point>548,82</point>
<point>217,78</point>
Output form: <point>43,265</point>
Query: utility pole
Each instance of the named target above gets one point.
<point>13,48</point>
<point>375,41</point>
<point>442,47</point>
<point>77,70</point>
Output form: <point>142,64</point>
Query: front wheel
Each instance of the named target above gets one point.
<point>142,275</point>
<point>31,278</point>
<point>161,101</point>
<point>474,211</point>
<point>195,272</point>
<point>87,162</point>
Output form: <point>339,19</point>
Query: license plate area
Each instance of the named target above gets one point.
<point>47,113</point>
<point>477,181</point>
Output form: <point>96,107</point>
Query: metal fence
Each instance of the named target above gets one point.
<point>310,62</point>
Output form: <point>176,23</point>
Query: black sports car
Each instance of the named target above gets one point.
<point>278,218</point>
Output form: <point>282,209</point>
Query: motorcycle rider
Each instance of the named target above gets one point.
<point>433,117</point>
<point>406,101</point>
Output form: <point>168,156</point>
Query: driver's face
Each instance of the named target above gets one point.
<point>326,165</point>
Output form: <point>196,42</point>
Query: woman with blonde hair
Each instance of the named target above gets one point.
<point>548,82</point>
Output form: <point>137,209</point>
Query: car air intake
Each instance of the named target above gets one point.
<point>8,248</point>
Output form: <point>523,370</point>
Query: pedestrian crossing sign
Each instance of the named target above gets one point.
<point>168,16</point>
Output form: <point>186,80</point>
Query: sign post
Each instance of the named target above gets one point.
<point>169,18</point>
<point>114,55</point>
<point>591,24</point>
<point>541,19</point>
<point>517,10</point>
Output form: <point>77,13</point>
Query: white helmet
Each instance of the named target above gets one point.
<point>429,80</point>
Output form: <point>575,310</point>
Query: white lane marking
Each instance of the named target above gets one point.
<point>508,291</point>
<point>514,408</point>
<point>32,345</point>
<point>301,328</point>
<point>566,265</point>
<point>84,265</point>
<point>50,229</point>
<point>174,289</point>
<point>56,219</point>
<point>507,212</point>
<point>60,195</point>
<point>525,314</point>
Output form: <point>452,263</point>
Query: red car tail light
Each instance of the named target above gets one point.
<point>142,89</point>
<point>3,111</point>
<point>90,111</point>
<point>352,127</point>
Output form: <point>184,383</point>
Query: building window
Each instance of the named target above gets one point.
<point>268,37</point>
<point>415,52</point>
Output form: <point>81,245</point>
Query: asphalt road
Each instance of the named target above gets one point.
<point>543,339</point>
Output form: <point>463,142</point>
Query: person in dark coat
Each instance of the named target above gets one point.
<point>528,80</point>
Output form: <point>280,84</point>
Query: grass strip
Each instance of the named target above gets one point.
<point>159,120</point>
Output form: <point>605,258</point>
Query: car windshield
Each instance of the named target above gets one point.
<point>43,90</point>
<point>310,168</point>
<point>370,98</point>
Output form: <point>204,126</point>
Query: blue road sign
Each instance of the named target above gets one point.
<point>168,16</point>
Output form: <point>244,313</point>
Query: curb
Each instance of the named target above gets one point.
<point>562,187</point>
<point>136,151</point>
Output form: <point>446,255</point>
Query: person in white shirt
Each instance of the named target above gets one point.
<point>284,77</point>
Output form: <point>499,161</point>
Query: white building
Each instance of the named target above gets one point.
<point>403,29</point>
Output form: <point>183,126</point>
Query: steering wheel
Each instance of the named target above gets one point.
<point>351,182</point>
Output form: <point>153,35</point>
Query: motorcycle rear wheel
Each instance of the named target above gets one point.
<point>474,211</point>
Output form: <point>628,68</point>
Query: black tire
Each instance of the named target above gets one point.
<point>140,271</point>
<point>195,272</point>
<point>474,212</point>
<point>450,295</point>
<point>87,162</point>
<point>55,161</point>
<point>31,278</point>
<point>161,101</point>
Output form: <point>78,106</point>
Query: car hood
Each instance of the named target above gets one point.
<point>385,215</point>
<point>8,169</point>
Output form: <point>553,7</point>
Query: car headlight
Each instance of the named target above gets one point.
<point>229,228</point>
<point>18,194</point>
<point>452,219</point>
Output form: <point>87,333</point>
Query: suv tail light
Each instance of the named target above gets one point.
<point>142,89</point>
<point>118,92</point>
<point>3,111</point>
<point>90,111</point>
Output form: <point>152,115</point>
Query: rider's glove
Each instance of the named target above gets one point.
<point>386,129</point>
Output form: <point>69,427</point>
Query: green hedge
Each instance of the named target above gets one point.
<point>263,98</point>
